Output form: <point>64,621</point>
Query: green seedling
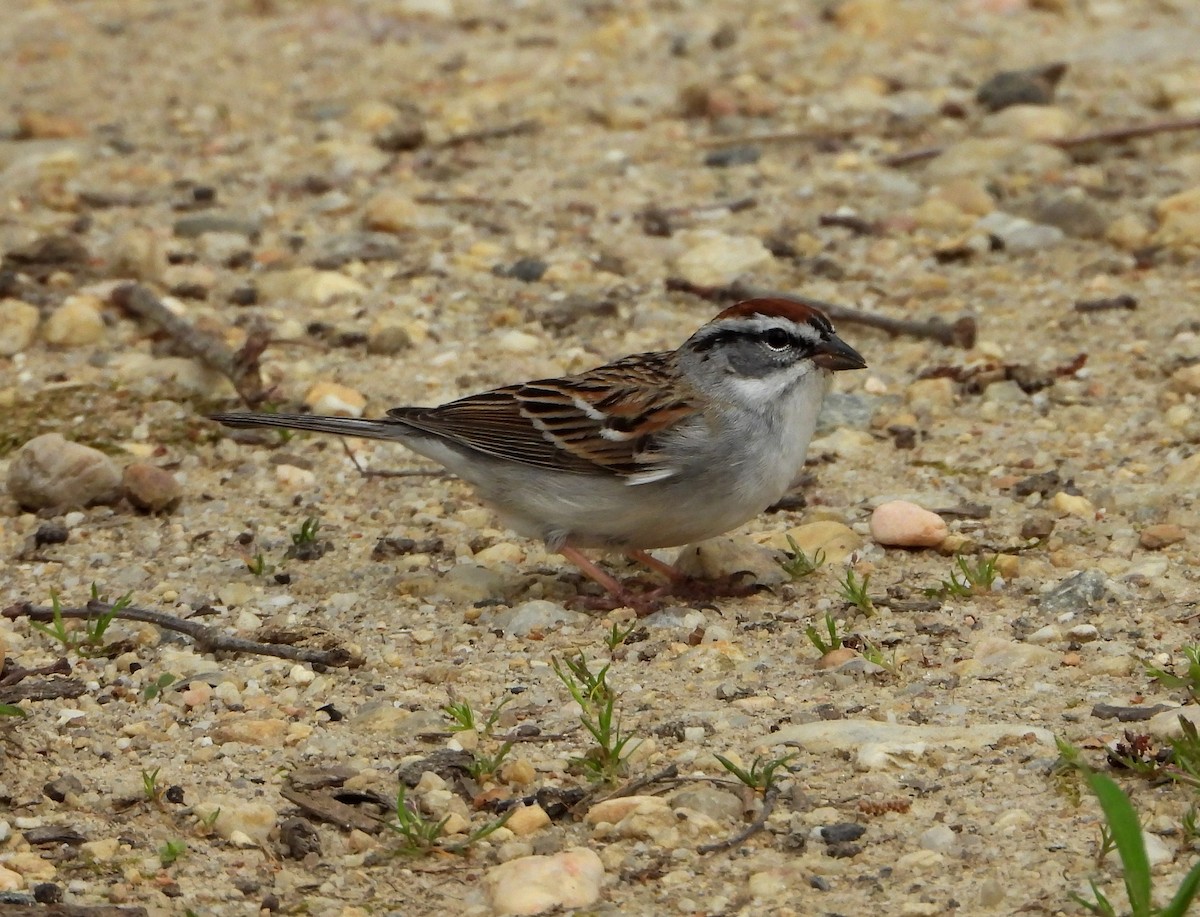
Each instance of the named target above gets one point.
<point>824,644</point>
<point>308,532</point>
<point>1123,832</point>
<point>977,579</point>
<point>855,593</point>
<point>57,628</point>
<point>1189,680</point>
<point>171,851</point>
<point>12,710</point>
<point>616,637</point>
<point>150,786</point>
<point>761,776</point>
<point>421,836</point>
<point>156,687</point>
<point>605,761</point>
<point>208,822</point>
<point>305,545</point>
<point>480,833</point>
<point>1126,836</point>
<point>463,719</point>
<point>258,565</point>
<point>484,765</point>
<point>873,653</point>
<point>797,564</point>
<point>96,627</point>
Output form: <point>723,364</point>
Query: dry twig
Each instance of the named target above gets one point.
<point>1108,135</point>
<point>770,796</point>
<point>208,639</point>
<point>71,910</point>
<point>1123,301</point>
<point>324,805</point>
<point>240,367</point>
<point>12,691</point>
<point>499,132</point>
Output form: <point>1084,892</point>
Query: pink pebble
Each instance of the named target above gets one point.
<point>907,525</point>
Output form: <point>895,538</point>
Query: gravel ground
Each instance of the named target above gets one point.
<point>423,198</point>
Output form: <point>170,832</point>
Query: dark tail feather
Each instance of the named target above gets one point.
<point>339,426</point>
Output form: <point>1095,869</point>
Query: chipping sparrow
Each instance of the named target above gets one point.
<point>650,451</point>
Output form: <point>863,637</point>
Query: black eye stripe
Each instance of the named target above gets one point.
<point>769,336</point>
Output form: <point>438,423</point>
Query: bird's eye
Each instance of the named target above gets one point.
<point>777,339</point>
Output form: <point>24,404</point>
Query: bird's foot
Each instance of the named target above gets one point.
<point>697,593</point>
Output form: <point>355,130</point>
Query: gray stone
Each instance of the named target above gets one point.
<point>1078,593</point>
<point>52,472</point>
<point>719,804</point>
<point>1017,234</point>
<point>538,615</point>
<point>1073,213</point>
<point>192,227</point>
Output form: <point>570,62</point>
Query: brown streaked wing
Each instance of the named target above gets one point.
<point>561,424</point>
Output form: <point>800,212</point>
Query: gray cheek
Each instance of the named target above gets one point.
<point>753,361</point>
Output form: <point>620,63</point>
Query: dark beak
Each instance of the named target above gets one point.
<point>835,354</point>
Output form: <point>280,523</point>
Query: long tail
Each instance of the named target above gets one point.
<point>317,423</point>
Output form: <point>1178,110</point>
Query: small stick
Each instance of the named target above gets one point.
<point>528,126</point>
<point>411,473</point>
<point>1124,301</point>
<point>1109,135</point>
<point>208,639</point>
<point>770,795</point>
<point>711,143</point>
<point>630,788</point>
<point>14,689</point>
<point>1128,132</point>
<point>960,333</point>
<point>60,666</point>
<point>855,224</point>
<point>240,368</point>
<point>71,910</point>
<point>325,806</point>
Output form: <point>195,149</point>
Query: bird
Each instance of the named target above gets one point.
<point>652,450</point>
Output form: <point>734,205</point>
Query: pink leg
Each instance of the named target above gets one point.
<point>595,574</point>
<point>618,595</point>
<point>667,570</point>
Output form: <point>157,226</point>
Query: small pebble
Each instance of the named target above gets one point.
<point>1073,505</point>
<point>834,540</point>
<point>903,524</point>
<point>194,226</point>
<point>716,259</point>
<point>939,838</point>
<point>253,820</point>
<point>1034,86</point>
<point>76,323</point>
<point>1179,220</point>
<point>538,616</point>
<point>150,488</point>
<point>732,156</point>
<point>387,337</point>
<point>339,400</point>
<point>526,820</point>
<point>391,212</point>
<point>1154,537</point>
<point>18,326</point>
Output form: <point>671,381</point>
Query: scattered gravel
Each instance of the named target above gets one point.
<point>414,200</point>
